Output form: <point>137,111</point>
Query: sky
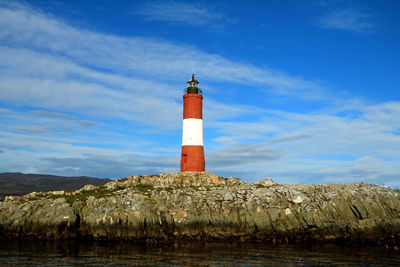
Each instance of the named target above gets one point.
<point>298,91</point>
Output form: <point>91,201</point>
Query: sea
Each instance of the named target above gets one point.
<point>90,253</point>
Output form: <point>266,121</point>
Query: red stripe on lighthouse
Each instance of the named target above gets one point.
<point>192,106</point>
<point>192,159</point>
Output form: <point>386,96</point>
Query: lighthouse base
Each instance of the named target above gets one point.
<point>192,159</point>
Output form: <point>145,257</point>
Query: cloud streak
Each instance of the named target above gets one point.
<point>347,19</point>
<point>241,154</point>
<point>172,11</point>
<point>51,114</point>
<point>31,129</point>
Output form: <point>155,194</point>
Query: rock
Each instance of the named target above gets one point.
<point>205,206</point>
<point>87,187</point>
<point>297,200</point>
<point>181,179</point>
<point>10,198</point>
<point>60,192</point>
<point>33,194</point>
<point>46,219</point>
<point>112,185</point>
<point>266,182</point>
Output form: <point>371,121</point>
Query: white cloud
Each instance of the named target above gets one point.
<point>321,147</point>
<point>373,132</point>
<point>189,13</point>
<point>70,88</point>
<point>347,19</point>
<point>365,169</point>
<point>23,27</point>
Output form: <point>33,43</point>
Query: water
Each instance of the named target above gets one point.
<point>73,253</point>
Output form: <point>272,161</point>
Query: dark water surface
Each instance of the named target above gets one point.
<point>73,253</point>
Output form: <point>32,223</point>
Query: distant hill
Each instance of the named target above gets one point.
<point>16,183</point>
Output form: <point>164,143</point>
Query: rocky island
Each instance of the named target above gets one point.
<point>203,206</point>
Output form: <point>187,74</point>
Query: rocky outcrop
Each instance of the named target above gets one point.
<point>203,206</point>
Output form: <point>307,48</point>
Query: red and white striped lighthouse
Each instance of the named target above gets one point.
<point>192,159</point>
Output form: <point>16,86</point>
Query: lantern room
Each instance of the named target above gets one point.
<point>193,86</point>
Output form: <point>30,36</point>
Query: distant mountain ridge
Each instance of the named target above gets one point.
<point>17,183</point>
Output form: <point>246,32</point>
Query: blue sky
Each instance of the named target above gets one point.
<point>299,91</point>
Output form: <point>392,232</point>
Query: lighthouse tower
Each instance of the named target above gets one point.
<point>192,159</point>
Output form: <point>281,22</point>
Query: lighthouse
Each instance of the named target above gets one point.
<point>192,158</point>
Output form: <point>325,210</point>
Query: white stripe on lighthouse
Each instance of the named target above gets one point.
<point>192,132</point>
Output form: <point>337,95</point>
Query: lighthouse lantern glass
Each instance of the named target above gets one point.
<point>192,84</point>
